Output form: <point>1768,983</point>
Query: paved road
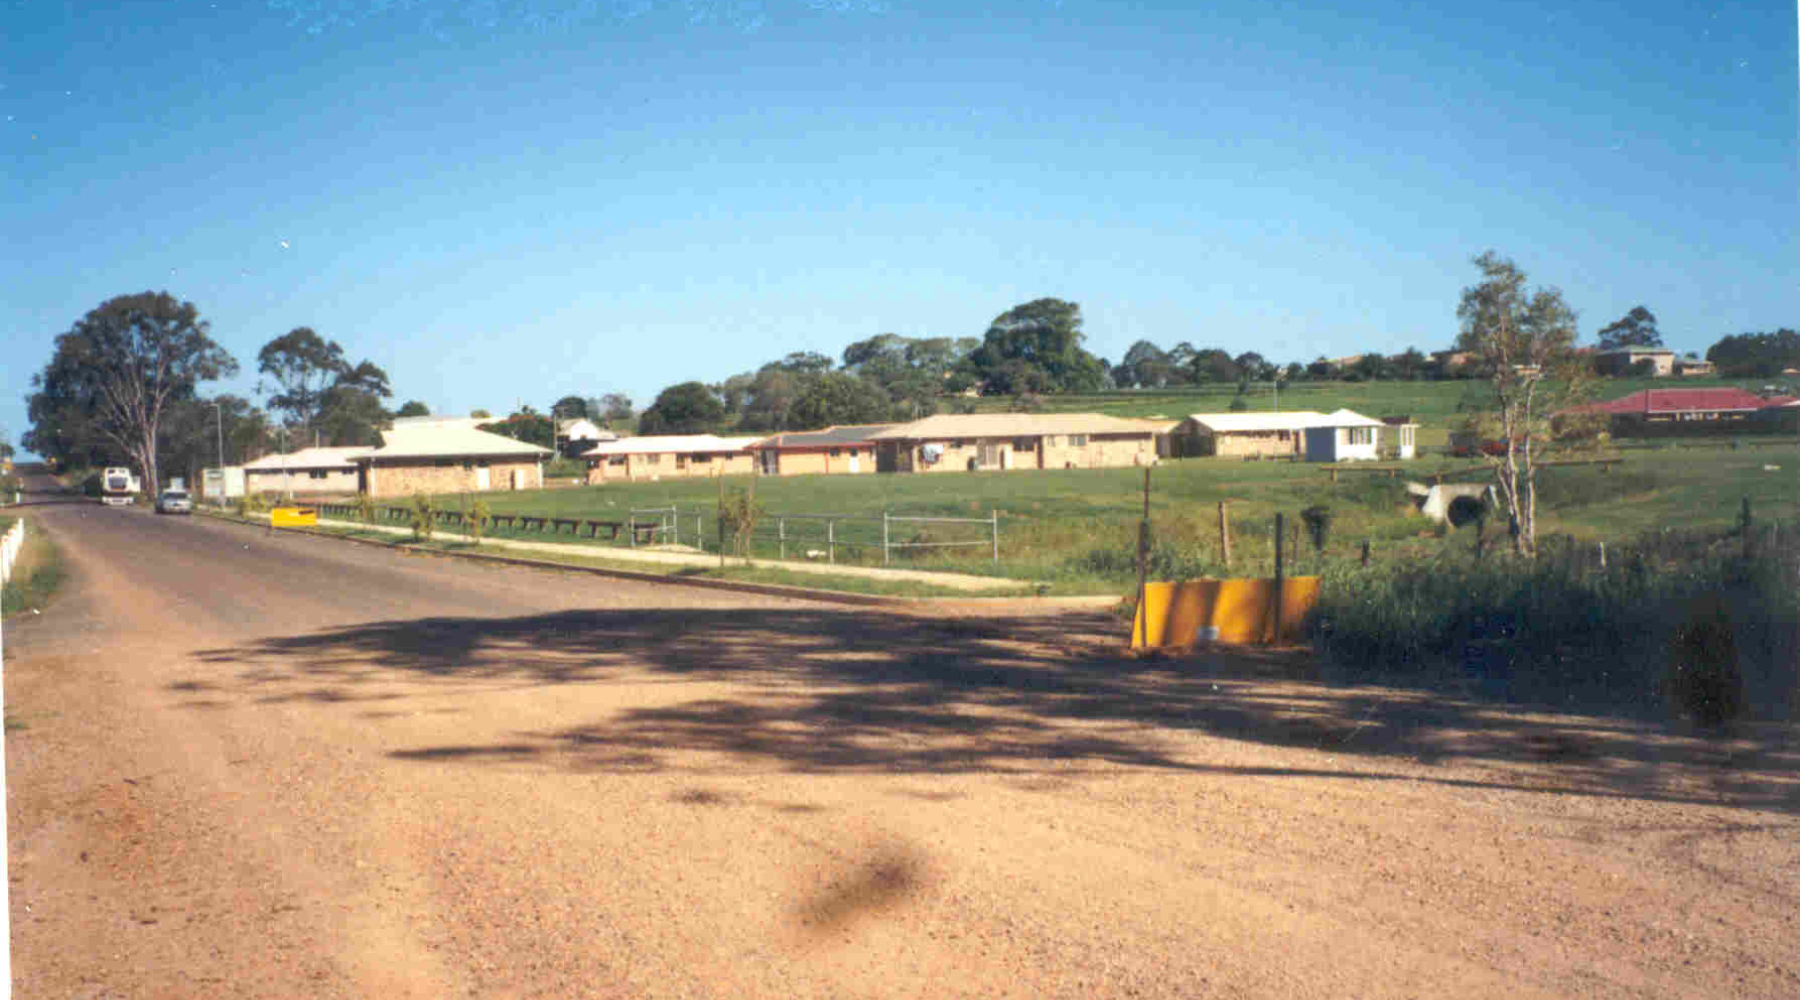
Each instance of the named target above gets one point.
<point>246,765</point>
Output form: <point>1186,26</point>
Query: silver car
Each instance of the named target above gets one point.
<point>174,502</point>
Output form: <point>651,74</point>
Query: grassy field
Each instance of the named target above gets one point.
<point>1077,529</point>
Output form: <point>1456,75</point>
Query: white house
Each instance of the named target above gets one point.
<point>1344,436</point>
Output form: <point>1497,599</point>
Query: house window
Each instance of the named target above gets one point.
<point>317,474</point>
<point>468,465</point>
<point>1078,440</point>
<point>1024,444</point>
<point>1361,435</point>
<point>703,458</point>
<point>652,459</point>
<point>616,460</point>
<point>835,452</point>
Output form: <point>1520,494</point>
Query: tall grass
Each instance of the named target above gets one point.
<point>1561,627</point>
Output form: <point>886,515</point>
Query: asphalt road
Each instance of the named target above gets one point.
<point>252,765</point>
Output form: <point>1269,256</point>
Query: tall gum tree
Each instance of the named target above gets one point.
<point>1525,340</point>
<point>127,363</point>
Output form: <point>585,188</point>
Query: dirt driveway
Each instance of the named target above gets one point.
<point>254,766</point>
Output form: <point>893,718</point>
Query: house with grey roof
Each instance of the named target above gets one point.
<point>848,450</point>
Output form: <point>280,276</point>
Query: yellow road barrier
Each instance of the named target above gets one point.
<point>294,517</point>
<point>1236,612</point>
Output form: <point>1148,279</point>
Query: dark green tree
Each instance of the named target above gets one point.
<point>1045,335</point>
<point>413,408</point>
<point>119,370</point>
<point>687,408</point>
<point>838,398</point>
<point>1636,328</point>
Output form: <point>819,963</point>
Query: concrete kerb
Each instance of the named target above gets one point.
<point>740,586</point>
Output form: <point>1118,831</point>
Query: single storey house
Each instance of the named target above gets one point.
<point>1665,406</point>
<point>664,456</point>
<point>960,442</point>
<point>307,472</point>
<point>448,458</point>
<point>1318,437</point>
<point>1344,436</point>
<point>848,450</point>
<point>1621,360</point>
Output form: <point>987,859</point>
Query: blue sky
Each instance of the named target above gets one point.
<point>510,200</point>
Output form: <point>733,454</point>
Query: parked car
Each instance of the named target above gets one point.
<point>174,502</point>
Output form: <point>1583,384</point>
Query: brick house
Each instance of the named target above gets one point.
<point>951,442</point>
<point>307,472</point>
<point>448,458</point>
<point>1655,412</point>
<point>835,450</point>
<point>670,456</point>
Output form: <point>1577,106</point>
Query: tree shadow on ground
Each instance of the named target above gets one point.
<point>828,690</point>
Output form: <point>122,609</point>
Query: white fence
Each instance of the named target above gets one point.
<point>9,549</point>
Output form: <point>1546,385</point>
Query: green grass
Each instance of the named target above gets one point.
<point>1077,529</point>
<point>36,576</point>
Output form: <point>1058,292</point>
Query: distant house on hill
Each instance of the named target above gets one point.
<point>1622,360</point>
<point>578,434</point>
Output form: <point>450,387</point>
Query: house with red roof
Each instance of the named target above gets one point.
<point>1665,411</point>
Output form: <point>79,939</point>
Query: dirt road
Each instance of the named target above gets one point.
<point>276,767</point>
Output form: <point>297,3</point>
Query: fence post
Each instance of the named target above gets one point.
<point>994,516</point>
<point>1365,553</point>
<point>630,530</point>
<point>884,538</point>
<point>781,536</point>
<point>1602,555</point>
<point>831,542</point>
<point>1744,523</point>
<point>1279,526</point>
<point>1224,534</point>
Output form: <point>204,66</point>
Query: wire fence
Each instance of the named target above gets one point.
<point>828,537</point>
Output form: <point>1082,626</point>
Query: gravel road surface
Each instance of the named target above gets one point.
<point>243,765</point>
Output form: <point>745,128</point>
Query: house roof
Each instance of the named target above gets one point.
<point>448,441</point>
<point>593,431</point>
<point>975,425</point>
<point>309,458</point>
<point>410,423</point>
<point>1716,400</point>
<point>830,436</point>
<point>663,444</point>
<point>1292,420</point>
<point>1636,350</point>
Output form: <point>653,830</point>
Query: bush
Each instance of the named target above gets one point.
<point>1560,628</point>
<point>1318,525</point>
<point>365,508</point>
<point>1703,681</point>
<point>424,517</point>
<point>479,518</point>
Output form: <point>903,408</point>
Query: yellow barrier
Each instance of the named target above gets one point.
<point>294,517</point>
<point>1226,611</point>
